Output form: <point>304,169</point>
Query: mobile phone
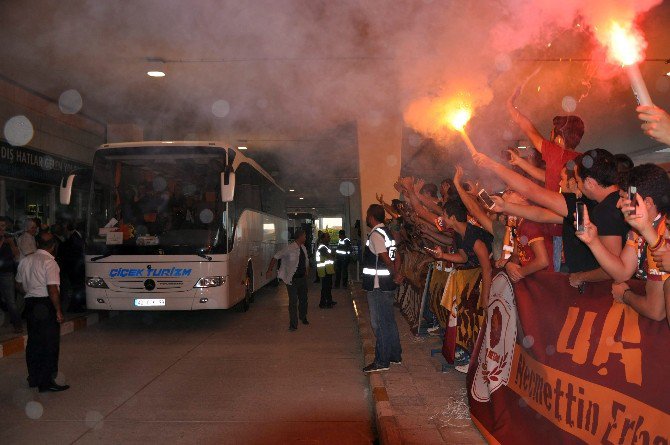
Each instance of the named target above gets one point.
<point>505,155</point>
<point>486,199</point>
<point>439,223</point>
<point>581,210</point>
<point>466,186</point>
<point>632,195</point>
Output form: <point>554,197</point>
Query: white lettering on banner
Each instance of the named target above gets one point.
<point>497,349</point>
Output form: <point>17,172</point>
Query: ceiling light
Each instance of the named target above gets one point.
<point>301,198</point>
<point>241,148</point>
<point>155,74</point>
<point>291,190</point>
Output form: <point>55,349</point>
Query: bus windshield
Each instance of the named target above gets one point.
<point>157,200</point>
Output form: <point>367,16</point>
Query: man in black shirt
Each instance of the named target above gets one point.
<point>597,179</point>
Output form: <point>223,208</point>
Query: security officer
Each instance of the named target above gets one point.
<point>318,240</point>
<point>343,254</point>
<point>325,269</point>
<point>381,276</point>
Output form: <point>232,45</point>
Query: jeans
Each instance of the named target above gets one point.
<point>297,300</point>
<point>43,345</point>
<point>382,319</point>
<point>342,271</point>
<point>558,251</point>
<point>326,291</point>
<point>8,296</point>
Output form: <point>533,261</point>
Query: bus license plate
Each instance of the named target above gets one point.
<point>149,302</point>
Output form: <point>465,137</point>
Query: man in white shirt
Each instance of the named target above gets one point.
<point>39,278</point>
<point>293,272</point>
<point>26,242</point>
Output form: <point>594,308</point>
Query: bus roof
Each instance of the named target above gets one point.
<point>239,157</point>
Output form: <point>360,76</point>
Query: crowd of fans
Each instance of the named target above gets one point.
<point>591,215</point>
<point>17,241</point>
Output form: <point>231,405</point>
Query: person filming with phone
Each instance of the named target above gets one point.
<point>597,180</point>
<point>645,207</point>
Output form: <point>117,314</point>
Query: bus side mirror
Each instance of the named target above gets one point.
<point>227,186</point>
<point>66,189</point>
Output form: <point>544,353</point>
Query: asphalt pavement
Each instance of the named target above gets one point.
<point>220,377</point>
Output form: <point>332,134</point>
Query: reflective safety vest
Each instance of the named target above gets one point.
<point>324,261</point>
<point>373,267</point>
<point>343,248</point>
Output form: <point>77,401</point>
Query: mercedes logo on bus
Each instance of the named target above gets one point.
<point>150,284</point>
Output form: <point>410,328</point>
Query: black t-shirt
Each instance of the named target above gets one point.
<point>467,243</point>
<point>302,268</point>
<point>608,219</point>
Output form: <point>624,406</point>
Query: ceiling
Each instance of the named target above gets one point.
<point>289,78</point>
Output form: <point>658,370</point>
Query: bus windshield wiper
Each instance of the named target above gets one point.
<point>202,255</point>
<point>96,258</point>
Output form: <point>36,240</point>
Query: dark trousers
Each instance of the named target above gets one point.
<point>297,300</point>
<point>382,319</point>
<point>43,341</point>
<point>342,271</point>
<point>326,290</point>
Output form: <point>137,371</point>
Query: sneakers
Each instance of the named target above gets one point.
<point>373,367</point>
<point>396,362</point>
<point>292,328</point>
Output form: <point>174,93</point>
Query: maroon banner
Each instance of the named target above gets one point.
<point>554,366</point>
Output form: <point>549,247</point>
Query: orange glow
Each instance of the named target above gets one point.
<point>625,44</point>
<point>458,117</point>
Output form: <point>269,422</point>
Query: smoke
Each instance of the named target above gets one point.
<point>524,30</point>
<point>299,67</point>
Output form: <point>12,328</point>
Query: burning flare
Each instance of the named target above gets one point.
<point>625,44</point>
<point>459,117</point>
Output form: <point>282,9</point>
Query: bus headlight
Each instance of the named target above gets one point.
<point>210,282</point>
<point>96,282</point>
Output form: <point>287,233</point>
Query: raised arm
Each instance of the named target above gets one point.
<point>523,122</point>
<point>535,172</point>
<point>471,204</point>
<point>530,212</point>
<point>483,256</point>
<point>553,201</point>
<point>417,206</point>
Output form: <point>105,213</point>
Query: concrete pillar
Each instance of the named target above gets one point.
<point>379,152</point>
<point>124,133</point>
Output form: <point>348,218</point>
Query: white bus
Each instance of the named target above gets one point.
<point>178,226</point>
